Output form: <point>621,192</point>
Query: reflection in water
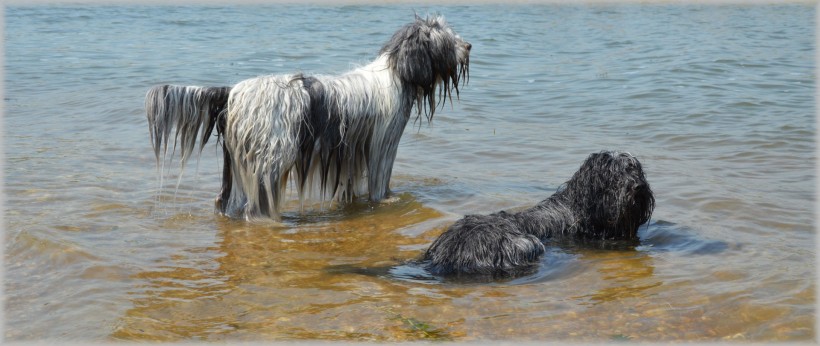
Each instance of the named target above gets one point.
<point>625,275</point>
<point>356,278</point>
<point>275,282</point>
<point>628,265</point>
<point>667,236</point>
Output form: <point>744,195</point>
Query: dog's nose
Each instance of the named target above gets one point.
<point>468,45</point>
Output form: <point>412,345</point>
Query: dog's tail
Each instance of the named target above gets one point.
<point>193,111</point>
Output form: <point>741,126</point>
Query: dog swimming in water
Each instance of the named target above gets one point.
<point>608,198</point>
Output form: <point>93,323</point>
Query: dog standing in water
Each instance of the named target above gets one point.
<point>607,198</point>
<point>336,135</point>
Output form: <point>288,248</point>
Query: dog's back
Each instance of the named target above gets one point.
<point>484,245</point>
<point>607,198</point>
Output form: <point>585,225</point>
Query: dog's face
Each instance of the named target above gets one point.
<point>427,53</point>
<point>612,190</point>
<point>463,49</point>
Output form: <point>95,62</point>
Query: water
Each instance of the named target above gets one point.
<point>716,101</point>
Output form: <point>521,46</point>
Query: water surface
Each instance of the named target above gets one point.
<point>716,101</point>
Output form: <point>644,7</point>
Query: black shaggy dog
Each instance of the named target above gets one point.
<point>607,198</point>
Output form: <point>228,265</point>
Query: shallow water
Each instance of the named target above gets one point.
<point>716,101</point>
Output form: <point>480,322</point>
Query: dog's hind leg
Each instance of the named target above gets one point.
<point>227,182</point>
<point>221,202</point>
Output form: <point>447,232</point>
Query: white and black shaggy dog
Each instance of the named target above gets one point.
<point>607,198</point>
<point>337,136</point>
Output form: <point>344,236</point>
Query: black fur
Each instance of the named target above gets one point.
<point>492,244</point>
<point>607,198</point>
<point>422,55</point>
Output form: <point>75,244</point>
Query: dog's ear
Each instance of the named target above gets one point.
<point>409,51</point>
<point>424,55</point>
<point>423,51</point>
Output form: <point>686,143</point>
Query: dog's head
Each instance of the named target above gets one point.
<point>611,194</point>
<point>427,54</point>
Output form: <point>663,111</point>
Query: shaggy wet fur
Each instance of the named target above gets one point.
<point>336,136</point>
<point>607,198</point>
